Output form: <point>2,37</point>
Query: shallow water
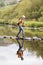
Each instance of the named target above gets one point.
<point>8,56</point>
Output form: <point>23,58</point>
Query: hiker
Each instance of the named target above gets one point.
<point>20,24</point>
<point>20,51</point>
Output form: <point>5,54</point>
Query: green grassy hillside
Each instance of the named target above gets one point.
<point>30,8</point>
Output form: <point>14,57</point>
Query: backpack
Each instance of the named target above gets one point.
<point>19,22</point>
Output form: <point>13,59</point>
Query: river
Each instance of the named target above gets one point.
<point>8,56</point>
<point>33,50</point>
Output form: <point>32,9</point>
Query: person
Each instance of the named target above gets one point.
<point>20,24</point>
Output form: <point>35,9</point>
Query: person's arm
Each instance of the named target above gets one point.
<point>18,22</point>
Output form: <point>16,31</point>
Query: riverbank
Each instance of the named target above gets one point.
<point>27,23</point>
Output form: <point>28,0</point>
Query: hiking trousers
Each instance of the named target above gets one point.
<point>21,29</point>
<point>20,45</point>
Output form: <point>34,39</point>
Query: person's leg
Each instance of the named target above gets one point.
<point>22,43</point>
<point>22,29</point>
<point>19,45</point>
<point>18,32</point>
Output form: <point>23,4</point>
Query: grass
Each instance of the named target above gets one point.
<point>26,23</point>
<point>33,24</point>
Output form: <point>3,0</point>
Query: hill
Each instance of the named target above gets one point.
<point>32,9</point>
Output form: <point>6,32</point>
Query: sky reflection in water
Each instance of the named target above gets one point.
<point>8,56</point>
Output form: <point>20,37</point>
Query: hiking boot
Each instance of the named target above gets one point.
<point>17,37</point>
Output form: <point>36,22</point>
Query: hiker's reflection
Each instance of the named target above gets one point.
<point>20,51</point>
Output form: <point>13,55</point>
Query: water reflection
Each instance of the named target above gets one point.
<point>20,51</point>
<point>36,46</point>
<point>32,46</point>
<point>33,54</point>
<point>8,56</point>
